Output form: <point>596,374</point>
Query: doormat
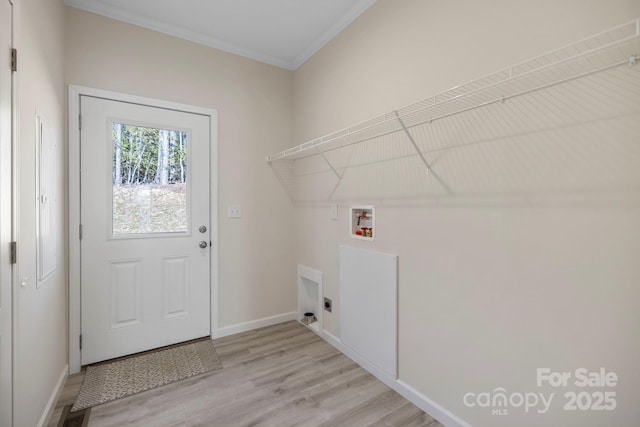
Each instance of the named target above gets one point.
<point>110,381</point>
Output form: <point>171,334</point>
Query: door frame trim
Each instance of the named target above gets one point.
<point>74,93</point>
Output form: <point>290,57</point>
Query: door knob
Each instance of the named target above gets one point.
<point>203,244</point>
<point>202,229</point>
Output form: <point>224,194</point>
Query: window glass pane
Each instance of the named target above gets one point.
<point>149,180</point>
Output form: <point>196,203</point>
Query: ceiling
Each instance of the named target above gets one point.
<point>284,33</point>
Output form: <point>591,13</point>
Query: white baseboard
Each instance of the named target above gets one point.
<point>432,408</point>
<point>255,324</point>
<point>55,395</point>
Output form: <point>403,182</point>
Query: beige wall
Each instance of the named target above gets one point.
<point>487,293</point>
<point>41,338</point>
<point>253,101</point>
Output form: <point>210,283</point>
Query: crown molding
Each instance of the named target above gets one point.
<point>173,30</point>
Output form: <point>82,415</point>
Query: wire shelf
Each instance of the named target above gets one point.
<point>574,87</point>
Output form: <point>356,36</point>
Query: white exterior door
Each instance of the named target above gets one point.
<point>144,212</point>
<point>5,212</point>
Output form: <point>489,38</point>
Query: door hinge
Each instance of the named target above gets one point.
<point>80,231</point>
<point>14,252</point>
<point>14,60</point>
<point>80,341</point>
<point>80,121</point>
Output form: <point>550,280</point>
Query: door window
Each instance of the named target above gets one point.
<point>149,180</point>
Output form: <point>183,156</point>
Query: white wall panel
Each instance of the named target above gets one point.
<point>46,153</point>
<point>369,306</point>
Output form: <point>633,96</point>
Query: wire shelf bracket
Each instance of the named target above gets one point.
<point>426,164</point>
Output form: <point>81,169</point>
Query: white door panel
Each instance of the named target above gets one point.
<point>144,276</point>
<point>5,213</point>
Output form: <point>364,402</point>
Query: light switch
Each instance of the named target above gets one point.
<point>334,212</point>
<point>234,211</point>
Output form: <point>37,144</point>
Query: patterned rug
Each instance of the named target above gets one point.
<point>111,381</point>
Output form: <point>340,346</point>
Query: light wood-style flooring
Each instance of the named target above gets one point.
<point>282,375</point>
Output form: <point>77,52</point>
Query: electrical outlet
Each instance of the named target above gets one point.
<point>328,305</point>
<point>234,211</point>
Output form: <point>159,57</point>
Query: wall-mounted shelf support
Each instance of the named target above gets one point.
<point>334,171</point>
<point>330,165</point>
<point>426,164</point>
